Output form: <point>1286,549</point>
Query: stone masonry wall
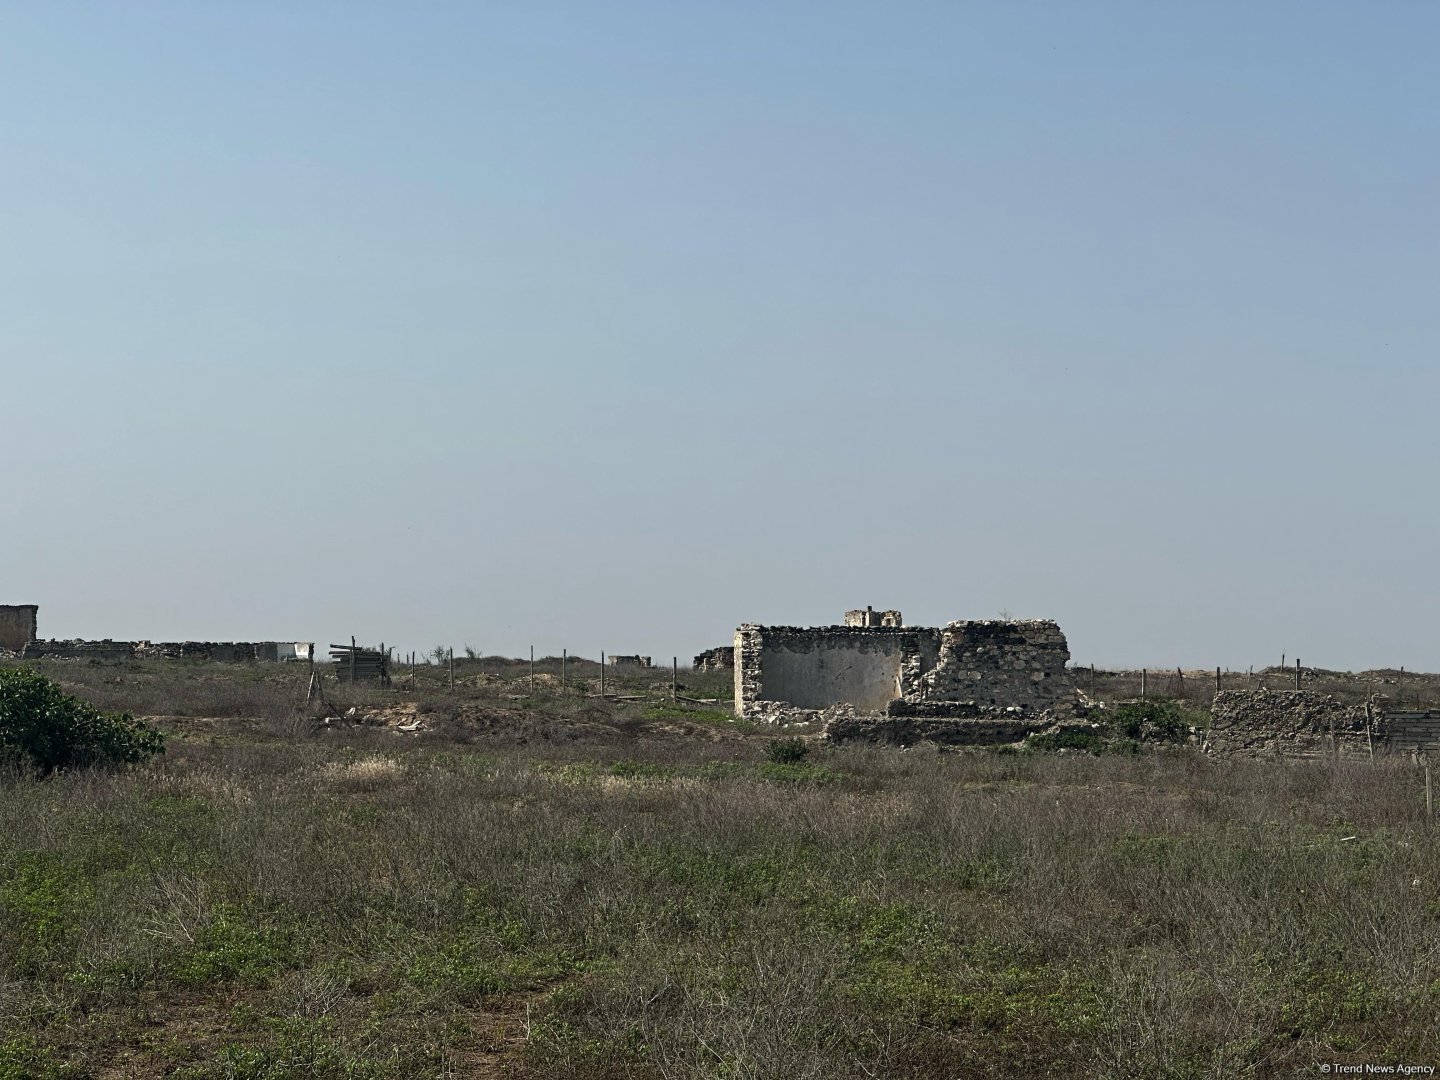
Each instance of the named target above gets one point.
<point>1000,662</point>
<point>17,625</point>
<point>1294,723</point>
<point>718,659</point>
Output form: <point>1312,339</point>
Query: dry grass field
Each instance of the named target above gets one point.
<point>530,883</point>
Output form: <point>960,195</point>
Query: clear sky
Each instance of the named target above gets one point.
<point>614,325</point>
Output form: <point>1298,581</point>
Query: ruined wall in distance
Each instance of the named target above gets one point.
<point>717,659</point>
<point>225,652</point>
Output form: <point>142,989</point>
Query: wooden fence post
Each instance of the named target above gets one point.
<point>1370,730</point>
<point>1429,802</point>
<point>674,675</point>
<point>564,659</point>
<point>352,660</point>
<point>1142,684</point>
<point>602,673</point>
<point>1297,673</point>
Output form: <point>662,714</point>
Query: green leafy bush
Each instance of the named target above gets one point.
<point>786,751</point>
<point>45,728</point>
<point>1090,742</point>
<point>1162,721</point>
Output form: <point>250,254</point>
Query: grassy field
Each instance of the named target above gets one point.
<point>543,884</point>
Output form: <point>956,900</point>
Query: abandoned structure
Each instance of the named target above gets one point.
<point>964,670</point>
<point>17,625</point>
<point>357,663</point>
<point>629,661</point>
<point>717,659</point>
<point>871,617</point>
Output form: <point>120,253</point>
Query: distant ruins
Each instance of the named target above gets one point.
<point>966,670</point>
<point>717,659</point>
<point>871,617</point>
<point>630,661</point>
<point>225,652</point>
<point>18,637</point>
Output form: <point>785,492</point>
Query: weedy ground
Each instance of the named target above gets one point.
<point>544,884</point>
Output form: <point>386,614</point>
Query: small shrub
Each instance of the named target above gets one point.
<point>47,729</point>
<point>1162,721</point>
<point>786,751</point>
<point>1090,742</point>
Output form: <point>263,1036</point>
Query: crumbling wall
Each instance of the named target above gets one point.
<point>630,661</point>
<point>812,668</point>
<point>17,625</point>
<point>1000,662</point>
<point>819,667</point>
<point>974,725</point>
<point>718,659</point>
<point>1293,723</point>
<point>78,650</point>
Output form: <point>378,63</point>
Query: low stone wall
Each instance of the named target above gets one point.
<point>225,652</point>
<point>979,726</point>
<point>1294,723</point>
<point>78,650</point>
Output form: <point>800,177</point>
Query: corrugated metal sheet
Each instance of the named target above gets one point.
<point>361,664</point>
<point>1415,730</point>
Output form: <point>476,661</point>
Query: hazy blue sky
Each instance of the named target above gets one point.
<point>613,325</point>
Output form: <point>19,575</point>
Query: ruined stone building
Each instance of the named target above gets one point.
<point>870,617</point>
<point>874,664</point>
<point>17,625</point>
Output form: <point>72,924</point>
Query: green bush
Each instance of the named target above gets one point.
<point>786,751</point>
<point>45,728</point>
<point>1163,721</point>
<point>1088,741</point>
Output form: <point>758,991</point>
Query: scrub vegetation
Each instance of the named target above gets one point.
<point>537,883</point>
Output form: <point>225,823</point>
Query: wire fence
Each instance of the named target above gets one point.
<point>1197,687</point>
